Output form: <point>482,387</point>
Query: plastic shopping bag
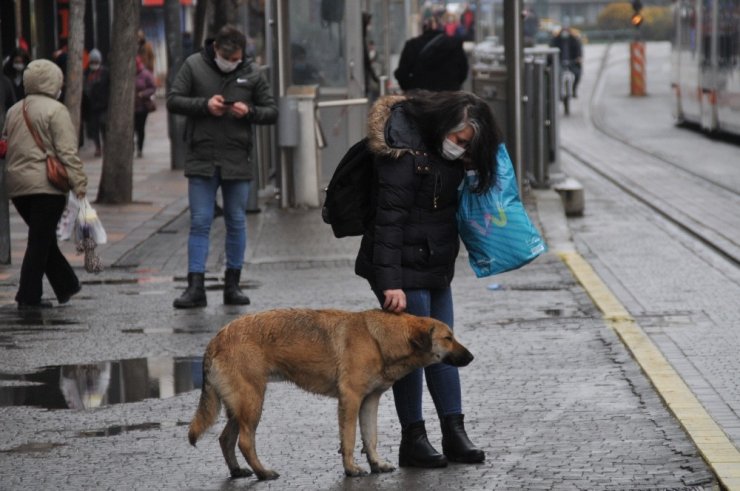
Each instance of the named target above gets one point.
<point>88,224</point>
<point>66,224</point>
<point>494,226</point>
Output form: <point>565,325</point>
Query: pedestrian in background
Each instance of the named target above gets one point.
<point>223,93</point>
<point>145,51</point>
<point>423,145</point>
<point>7,98</point>
<point>96,92</point>
<point>13,69</point>
<point>38,202</point>
<point>143,103</point>
<point>432,61</point>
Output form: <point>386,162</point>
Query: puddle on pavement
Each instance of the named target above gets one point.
<point>16,324</point>
<point>142,280</point>
<point>119,429</point>
<point>34,447</point>
<point>166,330</point>
<point>554,312</point>
<point>93,385</point>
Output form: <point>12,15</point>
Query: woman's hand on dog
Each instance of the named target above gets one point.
<point>395,301</point>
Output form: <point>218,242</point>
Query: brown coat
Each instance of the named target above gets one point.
<point>25,162</point>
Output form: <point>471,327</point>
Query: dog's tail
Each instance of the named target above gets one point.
<point>208,408</point>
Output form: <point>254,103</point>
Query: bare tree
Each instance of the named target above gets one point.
<point>116,180</point>
<point>175,122</point>
<point>212,15</point>
<point>75,47</point>
<point>224,13</point>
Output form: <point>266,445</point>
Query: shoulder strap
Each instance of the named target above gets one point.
<point>35,135</point>
<point>431,44</point>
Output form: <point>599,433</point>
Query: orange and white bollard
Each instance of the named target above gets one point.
<point>637,68</point>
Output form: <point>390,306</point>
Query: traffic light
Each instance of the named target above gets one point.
<point>636,16</point>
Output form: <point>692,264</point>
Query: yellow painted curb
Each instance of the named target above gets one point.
<point>716,449</point>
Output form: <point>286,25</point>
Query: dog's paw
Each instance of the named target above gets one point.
<point>267,475</point>
<point>355,471</point>
<point>240,472</point>
<point>382,466</point>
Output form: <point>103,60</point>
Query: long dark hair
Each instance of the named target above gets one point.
<point>438,114</point>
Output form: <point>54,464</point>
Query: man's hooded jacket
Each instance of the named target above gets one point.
<point>220,141</point>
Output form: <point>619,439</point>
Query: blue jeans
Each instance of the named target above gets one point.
<point>443,380</point>
<point>202,200</point>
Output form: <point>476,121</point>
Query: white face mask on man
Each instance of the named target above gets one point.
<point>451,150</point>
<point>225,65</point>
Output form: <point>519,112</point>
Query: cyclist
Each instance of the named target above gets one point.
<point>571,53</point>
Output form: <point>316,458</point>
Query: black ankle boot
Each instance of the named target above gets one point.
<point>455,442</point>
<point>232,293</point>
<point>194,295</point>
<point>416,451</point>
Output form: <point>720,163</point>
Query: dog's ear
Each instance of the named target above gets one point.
<point>422,340</point>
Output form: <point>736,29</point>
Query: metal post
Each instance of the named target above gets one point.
<point>513,44</point>
<point>305,158</point>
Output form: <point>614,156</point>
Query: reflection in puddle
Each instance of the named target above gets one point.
<point>101,384</point>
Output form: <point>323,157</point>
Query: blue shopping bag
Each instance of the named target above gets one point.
<point>494,226</point>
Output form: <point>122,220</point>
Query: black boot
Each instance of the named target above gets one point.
<point>232,293</point>
<point>416,451</point>
<point>455,443</point>
<point>194,295</point>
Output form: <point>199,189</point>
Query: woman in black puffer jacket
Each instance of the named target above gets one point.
<point>423,144</point>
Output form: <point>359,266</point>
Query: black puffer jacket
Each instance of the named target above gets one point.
<point>412,241</point>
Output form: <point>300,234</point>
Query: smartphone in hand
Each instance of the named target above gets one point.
<point>228,102</point>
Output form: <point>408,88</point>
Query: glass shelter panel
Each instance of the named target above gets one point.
<point>317,33</point>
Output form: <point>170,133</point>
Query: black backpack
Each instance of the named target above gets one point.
<point>348,197</point>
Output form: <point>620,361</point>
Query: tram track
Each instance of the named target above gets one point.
<point>722,238</point>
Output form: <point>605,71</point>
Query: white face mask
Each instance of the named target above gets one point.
<point>18,67</point>
<point>451,150</point>
<point>225,65</point>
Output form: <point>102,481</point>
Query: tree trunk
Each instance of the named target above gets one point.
<point>212,15</point>
<point>175,122</point>
<point>116,180</point>
<point>224,13</point>
<point>199,23</point>
<point>75,45</point>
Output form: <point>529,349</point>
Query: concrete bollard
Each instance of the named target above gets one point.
<point>571,192</point>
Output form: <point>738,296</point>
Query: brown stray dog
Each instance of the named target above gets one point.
<point>353,356</point>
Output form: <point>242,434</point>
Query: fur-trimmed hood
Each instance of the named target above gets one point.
<point>390,132</point>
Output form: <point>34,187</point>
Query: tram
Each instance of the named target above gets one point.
<point>706,64</point>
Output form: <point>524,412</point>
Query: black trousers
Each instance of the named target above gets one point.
<point>139,125</point>
<point>41,212</point>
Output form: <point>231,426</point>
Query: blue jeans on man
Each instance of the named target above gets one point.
<point>202,197</point>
